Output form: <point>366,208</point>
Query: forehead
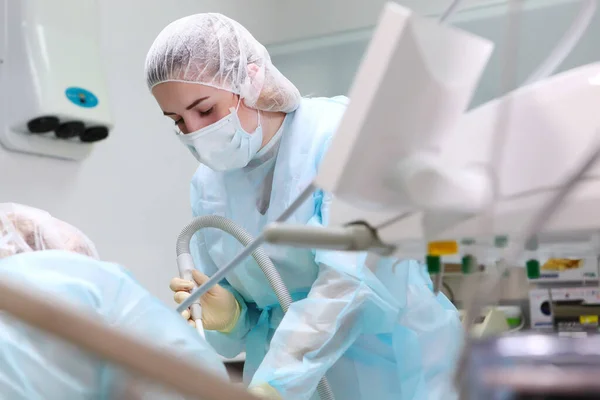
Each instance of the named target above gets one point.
<point>176,96</point>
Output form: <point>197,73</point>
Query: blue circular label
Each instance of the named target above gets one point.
<point>81,97</point>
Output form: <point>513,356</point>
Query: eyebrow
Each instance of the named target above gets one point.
<point>194,104</point>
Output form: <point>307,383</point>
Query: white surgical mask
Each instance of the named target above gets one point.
<point>224,145</point>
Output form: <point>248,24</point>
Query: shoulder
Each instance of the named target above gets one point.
<point>58,266</point>
<point>98,286</point>
<point>324,113</point>
<point>336,102</point>
<point>315,122</point>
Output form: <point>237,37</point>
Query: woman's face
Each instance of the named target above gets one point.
<point>194,106</point>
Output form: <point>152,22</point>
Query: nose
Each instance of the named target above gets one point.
<point>188,128</point>
<point>182,129</point>
<point>192,124</point>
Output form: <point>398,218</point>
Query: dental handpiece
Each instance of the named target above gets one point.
<point>185,266</point>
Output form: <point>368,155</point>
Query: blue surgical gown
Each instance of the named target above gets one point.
<point>381,335</point>
<point>35,365</point>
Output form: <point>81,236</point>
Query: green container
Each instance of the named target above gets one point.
<point>533,269</point>
<point>469,263</point>
<point>434,264</point>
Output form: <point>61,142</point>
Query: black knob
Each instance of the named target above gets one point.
<point>545,308</point>
<point>70,130</point>
<point>94,134</point>
<point>43,124</point>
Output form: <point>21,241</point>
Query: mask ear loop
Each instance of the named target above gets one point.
<point>237,108</point>
<point>258,125</point>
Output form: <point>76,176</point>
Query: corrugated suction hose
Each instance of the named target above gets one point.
<point>263,261</point>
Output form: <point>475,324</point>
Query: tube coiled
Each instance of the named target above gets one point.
<point>264,262</point>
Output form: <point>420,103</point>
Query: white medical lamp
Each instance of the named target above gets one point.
<point>413,85</point>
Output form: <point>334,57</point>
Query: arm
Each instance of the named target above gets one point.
<point>345,301</point>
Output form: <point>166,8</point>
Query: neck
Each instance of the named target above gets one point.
<point>271,122</point>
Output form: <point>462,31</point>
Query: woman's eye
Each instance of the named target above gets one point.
<point>207,112</point>
<point>179,121</point>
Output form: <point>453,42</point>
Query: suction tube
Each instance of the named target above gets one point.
<point>566,44</point>
<point>186,265</point>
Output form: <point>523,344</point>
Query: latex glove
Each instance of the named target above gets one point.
<point>220,309</point>
<point>265,391</point>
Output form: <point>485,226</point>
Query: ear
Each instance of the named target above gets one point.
<point>253,84</point>
<point>253,70</point>
<point>253,80</point>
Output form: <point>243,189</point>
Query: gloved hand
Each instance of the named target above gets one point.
<point>265,391</point>
<point>220,309</point>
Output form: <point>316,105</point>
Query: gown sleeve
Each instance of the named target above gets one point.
<point>345,301</point>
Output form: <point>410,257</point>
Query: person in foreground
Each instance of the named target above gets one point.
<point>374,335</point>
<point>42,253</point>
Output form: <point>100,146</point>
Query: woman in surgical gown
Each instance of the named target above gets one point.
<point>382,335</point>
<point>41,253</point>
